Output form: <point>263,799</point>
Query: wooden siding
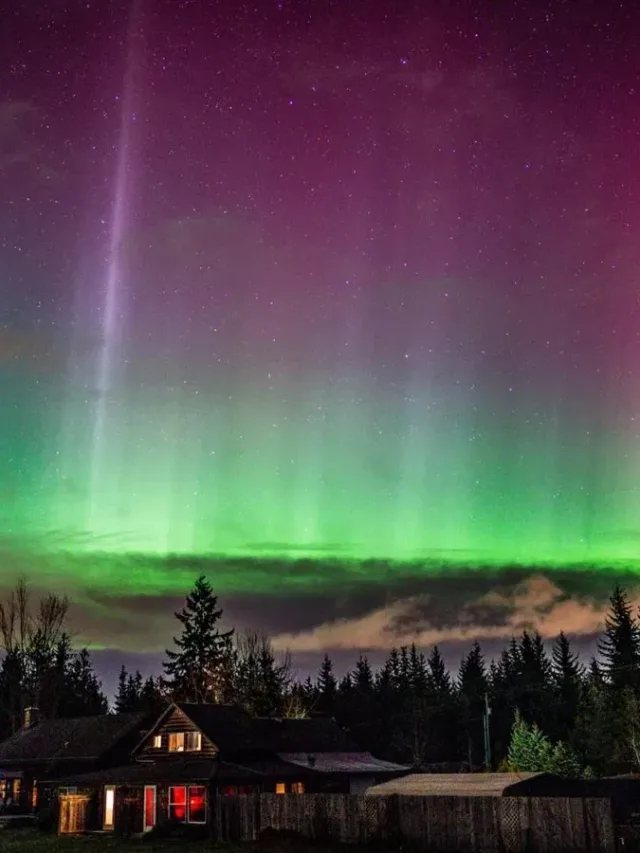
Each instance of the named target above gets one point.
<point>174,722</point>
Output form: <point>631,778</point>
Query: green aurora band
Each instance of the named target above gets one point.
<point>333,484</point>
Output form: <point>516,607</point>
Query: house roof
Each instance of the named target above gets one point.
<point>353,763</point>
<point>77,738</point>
<point>232,730</point>
<point>149,773</point>
<point>310,735</point>
<point>459,784</point>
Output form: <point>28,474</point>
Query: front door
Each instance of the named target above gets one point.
<point>150,800</point>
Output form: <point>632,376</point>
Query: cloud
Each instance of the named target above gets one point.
<point>536,602</point>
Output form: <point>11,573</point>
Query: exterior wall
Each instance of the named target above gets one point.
<point>359,784</point>
<point>176,721</point>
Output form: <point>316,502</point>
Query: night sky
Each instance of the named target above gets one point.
<point>334,302</point>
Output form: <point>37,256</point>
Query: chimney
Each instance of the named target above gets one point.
<point>31,717</point>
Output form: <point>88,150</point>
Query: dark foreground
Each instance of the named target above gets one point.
<point>32,841</point>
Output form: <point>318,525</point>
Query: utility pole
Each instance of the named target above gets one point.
<point>487,733</point>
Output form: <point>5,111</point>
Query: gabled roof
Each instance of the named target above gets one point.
<point>232,730</point>
<point>78,738</point>
<point>461,784</point>
<point>224,725</point>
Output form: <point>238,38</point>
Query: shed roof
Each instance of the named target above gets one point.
<point>77,738</point>
<point>460,784</point>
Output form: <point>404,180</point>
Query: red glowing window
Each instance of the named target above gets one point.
<point>197,804</point>
<point>178,803</point>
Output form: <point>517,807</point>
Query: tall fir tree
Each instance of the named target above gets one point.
<point>326,687</point>
<point>199,670</point>
<point>473,687</point>
<point>83,695</point>
<point>619,647</point>
<point>568,679</point>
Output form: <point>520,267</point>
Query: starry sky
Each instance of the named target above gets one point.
<point>333,302</point>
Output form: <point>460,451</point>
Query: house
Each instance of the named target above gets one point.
<point>478,785</point>
<point>41,751</point>
<point>194,753</point>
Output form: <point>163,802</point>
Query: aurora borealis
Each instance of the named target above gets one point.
<point>317,298</point>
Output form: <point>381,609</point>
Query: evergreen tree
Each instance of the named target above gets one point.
<point>534,681</point>
<point>619,646</point>
<point>152,699</point>
<point>418,677</point>
<point>565,763</point>
<point>568,677</point>
<point>439,680</point>
<point>121,703</point>
<point>199,670</point>
<point>530,751</point>
<point>363,676</point>
<point>594,735</point>
<point>473,687</point>
<point>326,687</point>
<point>260,682</point>
<point>83,696</point>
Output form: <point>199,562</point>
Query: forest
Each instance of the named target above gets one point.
<point>537,706</point>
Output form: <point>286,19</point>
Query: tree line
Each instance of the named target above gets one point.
<point>528,709</point>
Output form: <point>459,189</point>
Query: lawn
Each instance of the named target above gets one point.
<point>32,841</point>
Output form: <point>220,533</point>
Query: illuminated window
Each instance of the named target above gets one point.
<point>281,788</point>
<point>17,787</point>
<point>3,789</point>
<point>34,795</point>
<point>109,806</point>
<point>297,787</point>
<point>193,742</point>
<point>198,804</point>
<point>176,742</point>
<point>63,791</point>
<point>191,809</point>
<point>157,741</point>
<point>178,803</point>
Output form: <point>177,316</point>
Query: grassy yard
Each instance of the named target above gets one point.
<point>32,841</point>
<point>28,841</point>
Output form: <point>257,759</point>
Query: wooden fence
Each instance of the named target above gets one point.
<point>487,824</point>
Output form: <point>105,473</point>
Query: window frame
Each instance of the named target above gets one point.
<point>149,827</point>
<point>192,736</point>
<point>109,825</point>
<point>157,741</point>
<point>202,788</point>
<point>171,802</point>
<point>72,789</point>
<point>187,807</point>
<point>177,736</point>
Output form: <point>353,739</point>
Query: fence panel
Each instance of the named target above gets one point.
<point>465,824</point>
